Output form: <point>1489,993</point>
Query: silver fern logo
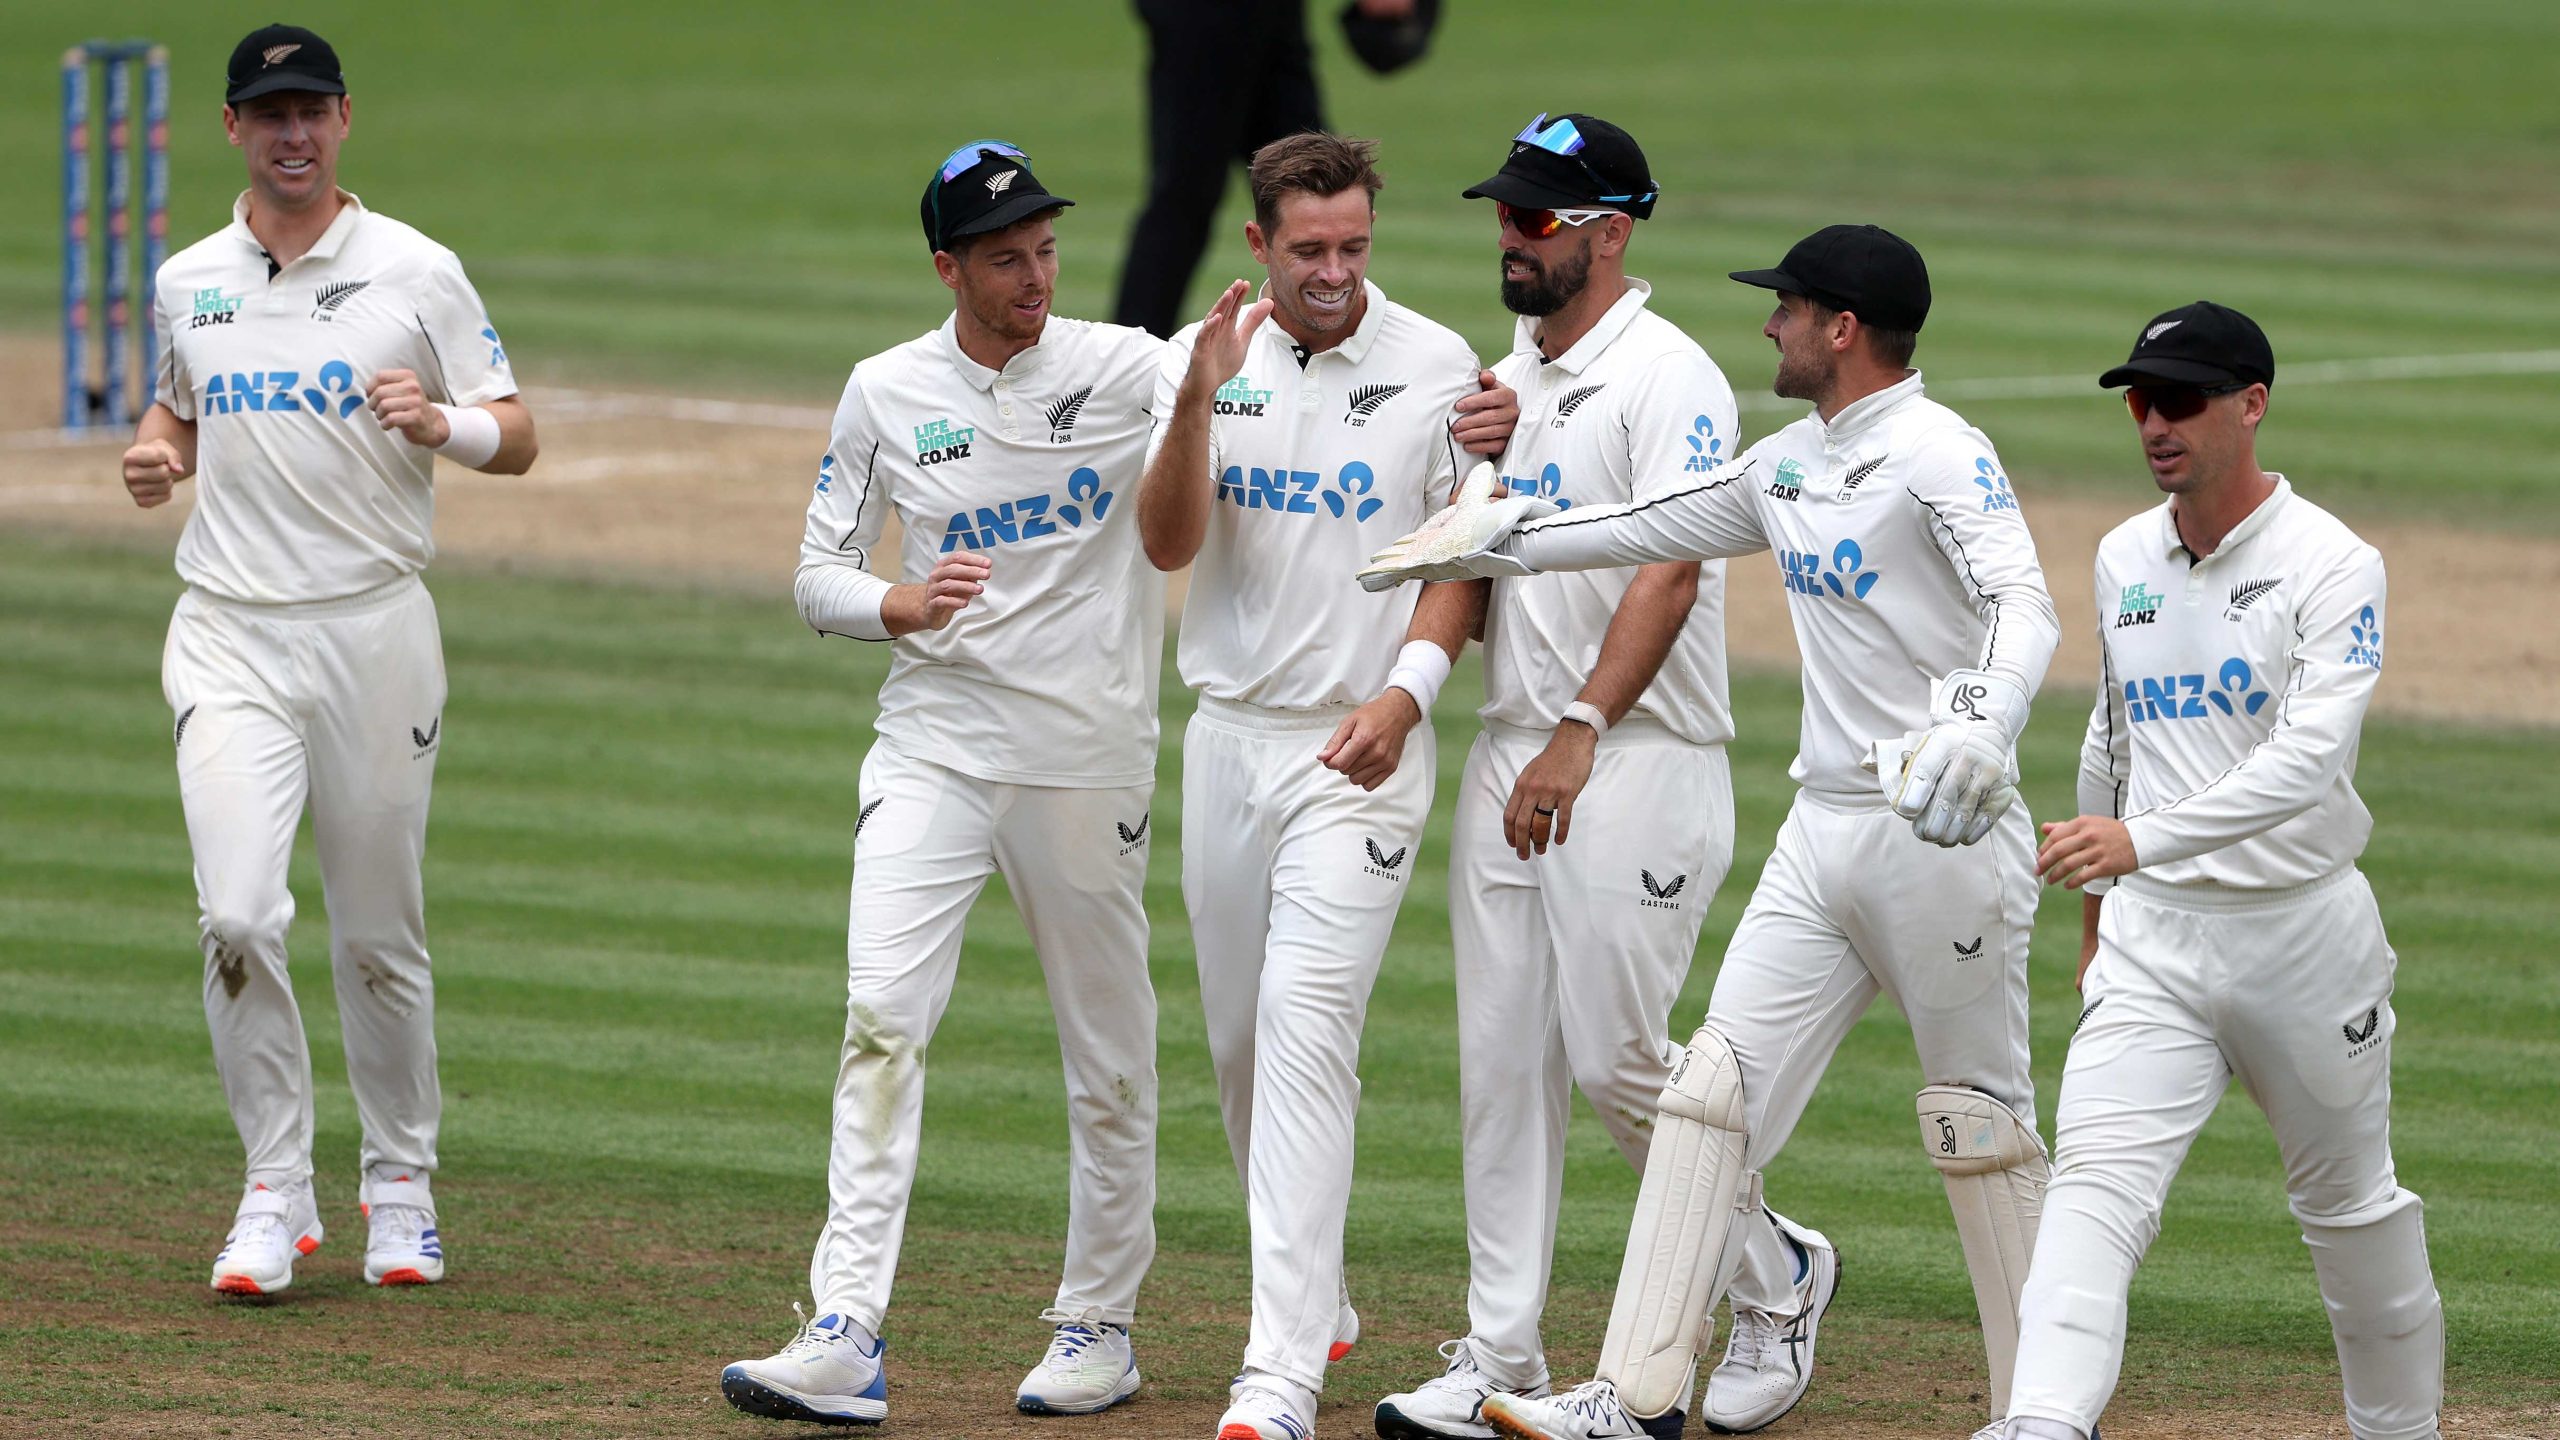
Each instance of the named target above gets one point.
<point>999,183</point>
<point>1573,399</point>
<point>1365,401</point>
<point>863,817</point>
<point>1062,413</point>
<point>1858,477</point>
<point>2244,596</point>
<point>325,302</point>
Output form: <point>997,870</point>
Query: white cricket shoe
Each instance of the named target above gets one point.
<point>823,1377</point>
<point>1588,1411</point>
<point>1768,1361</point>
<point>1448,1406</point>
<point>271,1229</point>
<point>1089,1367</point>
<point>400,1245</point>
<point>1266,1407</point>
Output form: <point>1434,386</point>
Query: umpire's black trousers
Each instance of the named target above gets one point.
<point>1224,78</point>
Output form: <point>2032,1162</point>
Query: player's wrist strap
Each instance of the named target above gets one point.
<point>1588,714</point>
<point>1422,667</point>
<point>472,435</point>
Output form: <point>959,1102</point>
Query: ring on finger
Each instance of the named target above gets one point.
<point>1542,809</point>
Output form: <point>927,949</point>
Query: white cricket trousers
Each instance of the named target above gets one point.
<point>1850,905</point>
<point>338,704</point>
<point>1292,875</point>
<point>925,841</point>
<point>2291,992</point>
<point>1568,966</point>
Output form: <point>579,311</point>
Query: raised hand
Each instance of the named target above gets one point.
<point>1217,351</point>
<point>400,403</point>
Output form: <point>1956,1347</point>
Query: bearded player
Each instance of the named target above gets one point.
<point>318,357</point>
<point>1904,865</point>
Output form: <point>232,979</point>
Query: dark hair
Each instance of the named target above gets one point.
<point>1312,163</point>
<point>1893,347</point>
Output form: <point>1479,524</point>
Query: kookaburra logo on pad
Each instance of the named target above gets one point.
<point>997,184</point>
<point>276,53</point>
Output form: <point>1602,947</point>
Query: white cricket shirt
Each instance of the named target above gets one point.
<point>1317,466</point>
<point>1049,677</point>
<point>1634,410</point>
<point>300,494</point>
<point>1901,548</point>
<point>2233,695</point>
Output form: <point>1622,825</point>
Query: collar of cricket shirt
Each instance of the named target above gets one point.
<point>1021,367</point>
<point>1577,358</point>
<point>1355,346</point>
<point>1861,415</point>
<point>2250,524</point>
<point>331,241</point>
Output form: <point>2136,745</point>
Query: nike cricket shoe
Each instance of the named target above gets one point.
<point>1089,1367</point>
<point>400,1244</point>
<point>1448,1406</point>
<point>1588,1411</point>
<point>272,1228</point>
<point>1768,1360</point>
<point>1266,1407</point>
<point>825,1376</point>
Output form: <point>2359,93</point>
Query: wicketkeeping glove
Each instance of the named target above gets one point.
<point>1953,780</point>
<point>1457,543</point>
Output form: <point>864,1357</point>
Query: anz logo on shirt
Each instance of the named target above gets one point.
<point>1844,578</point>
<point>1548,486</point>
<point>329,392</point>
<point>1706,447</point>
<point>2365,645</point>
<point>1996,494</point>
<point>2186,697</point>
<point>1033,517</point>
<point>1303,492</point>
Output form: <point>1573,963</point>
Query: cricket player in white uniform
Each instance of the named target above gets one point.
<point>316,358</point>
<point>2241,626</point>
<point>1293,435</point>
<point>1017,735</point>
<point>1596,819</point>
<point>1925,628</point>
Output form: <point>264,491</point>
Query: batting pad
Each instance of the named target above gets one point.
<point>1995,1170</point>
<point>1682,1247</point>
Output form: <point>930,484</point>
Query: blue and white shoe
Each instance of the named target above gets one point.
<point>1089,1367</point>
<point>1588,1411</point>
<point>1768,1360</point>
<point>823,1377</point>
<point>401,1245</point>
<point>273,1227</point>
<point>1266,1407</point>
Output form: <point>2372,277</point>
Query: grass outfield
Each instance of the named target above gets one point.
<point>637,875</point>
<point>724,197</point>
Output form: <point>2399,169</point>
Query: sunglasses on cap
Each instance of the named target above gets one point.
<point>2175,402</point>
<point>1564,138</point>
<point>966,158</point>
<point>1541,224</point>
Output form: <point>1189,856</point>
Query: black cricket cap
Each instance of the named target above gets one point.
<point>1866,270</point>
<point>995,189</point>
<point>1605,171</point>
<point>1388,45</point>
<point>2203,345</point>
<point>282,57</point>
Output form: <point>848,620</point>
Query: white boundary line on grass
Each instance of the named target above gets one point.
<point>579,405</point>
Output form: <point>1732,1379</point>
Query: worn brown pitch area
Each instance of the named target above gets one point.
<point>583,1311</point>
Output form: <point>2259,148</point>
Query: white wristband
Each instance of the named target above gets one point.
<point>472,437</point>
<point>1588,714</point>
<point>1421,669</point>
